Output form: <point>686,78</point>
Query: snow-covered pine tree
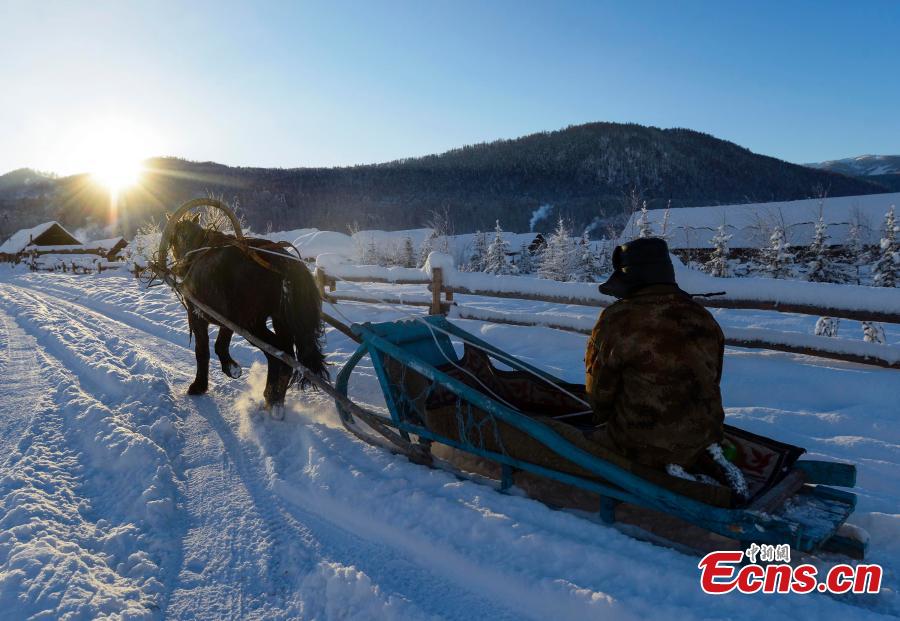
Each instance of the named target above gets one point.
<point>587,267</point>
<point>856,252</point>
<point>525,264</point>
<point>407,253</point>
<point>144,247</point>
<point>426,248</point>
<point>604,255</point>
<point>718,261</point>
<point>886,271</point>
<point>645,229</point>
<point>821,266</point>
<point>828,326</point>
<point>479,253</point>
<point>873,332</point>
<point>496,261</point>
<point>778,259</point>
<point>556,258</point>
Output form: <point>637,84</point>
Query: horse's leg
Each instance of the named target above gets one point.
<point>279,374</point>
<point>200,330</point>
<point>285,373</point>
<point>276,387</point>
<point>229,367</point>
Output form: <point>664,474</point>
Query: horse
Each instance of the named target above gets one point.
<point>273,288</point>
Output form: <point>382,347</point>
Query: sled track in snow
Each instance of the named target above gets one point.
<point>52,479</point>
<point>20,382</point>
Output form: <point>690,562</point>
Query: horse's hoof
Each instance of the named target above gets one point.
<point>276,411</point>
<point>197,389</point>
<point>232,370</point>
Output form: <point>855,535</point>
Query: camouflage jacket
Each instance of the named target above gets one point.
<point>654,361</point>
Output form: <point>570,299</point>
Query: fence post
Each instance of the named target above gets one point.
<point>437,283</point>
<point>319,275</point>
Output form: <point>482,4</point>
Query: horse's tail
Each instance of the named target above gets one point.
<point>301,308</point>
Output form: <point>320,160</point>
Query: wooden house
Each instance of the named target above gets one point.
<point>44,235</point>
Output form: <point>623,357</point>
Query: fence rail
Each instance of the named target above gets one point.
<point>823,347</point>
<point>743,304</point>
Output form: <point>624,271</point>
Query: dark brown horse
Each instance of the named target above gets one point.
<point>273,297</point>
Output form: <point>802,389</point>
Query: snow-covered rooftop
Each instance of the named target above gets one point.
<point>751,224</point>
<point>105,244</point>
<point>20,239</point>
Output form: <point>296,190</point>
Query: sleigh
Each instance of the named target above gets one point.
<point>483,412</point>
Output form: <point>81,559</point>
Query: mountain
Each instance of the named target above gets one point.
<point>863,165</point>
<point>584,172</point>
<point>26,181</point>
<point>882,169</point>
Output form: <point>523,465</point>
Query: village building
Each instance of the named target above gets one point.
<point>50,245</point>
<point>43,235</point>
<point>689,231</point>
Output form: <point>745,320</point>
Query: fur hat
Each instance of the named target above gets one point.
<point>637,264</point>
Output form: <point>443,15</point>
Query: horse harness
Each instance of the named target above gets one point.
<point>182,267</point>
<point>244,246</point>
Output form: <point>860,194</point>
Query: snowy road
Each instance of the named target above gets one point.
<point>121,496</point>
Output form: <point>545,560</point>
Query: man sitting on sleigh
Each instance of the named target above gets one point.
<point>654,361</point>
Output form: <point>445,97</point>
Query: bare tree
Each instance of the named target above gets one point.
<point>216,220</point>
<point>633,202</point>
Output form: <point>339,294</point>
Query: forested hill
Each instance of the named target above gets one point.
<point>583,171</point>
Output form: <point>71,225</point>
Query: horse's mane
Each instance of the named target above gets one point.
<point>217,238</point>
<point>213,237</point>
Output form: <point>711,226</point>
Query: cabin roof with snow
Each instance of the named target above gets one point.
<point>750,225</point>
<point>107,247</point>
<point>111,243</point>
<point>46,234</point>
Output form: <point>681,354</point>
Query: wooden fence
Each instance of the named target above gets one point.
<point>77,268</point>
<point>823,347</point>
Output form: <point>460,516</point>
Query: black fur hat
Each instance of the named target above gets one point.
<point>639,263</point>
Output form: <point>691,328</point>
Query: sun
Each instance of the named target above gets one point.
<point>112,151</point>
<point>114,160</point>
<point>117,174</point>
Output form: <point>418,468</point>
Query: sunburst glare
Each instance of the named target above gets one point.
<point>113,154</point>
<point>117,174</point>
<point>112,151</point>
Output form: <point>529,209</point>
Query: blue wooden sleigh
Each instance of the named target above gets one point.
<point>800,507</point>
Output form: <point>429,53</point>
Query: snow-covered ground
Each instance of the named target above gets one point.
<point>122,497</point>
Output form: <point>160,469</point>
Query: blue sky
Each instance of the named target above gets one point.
<point>338,83</point>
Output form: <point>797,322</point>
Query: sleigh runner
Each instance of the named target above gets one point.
<point>520,425</point>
